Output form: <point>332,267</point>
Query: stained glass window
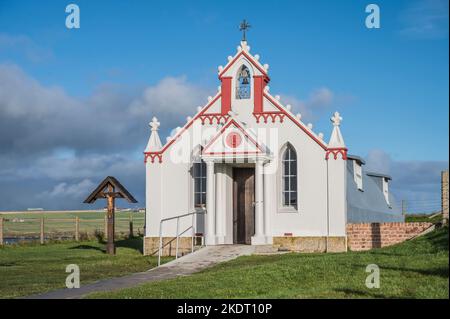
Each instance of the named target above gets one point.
<point>243,83</point>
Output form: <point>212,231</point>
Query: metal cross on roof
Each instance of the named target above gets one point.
<point>244,26</point>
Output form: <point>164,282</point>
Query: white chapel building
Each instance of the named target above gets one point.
<point>245,170</point>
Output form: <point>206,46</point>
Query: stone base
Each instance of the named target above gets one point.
<point>259,240</point>
<point>311,244</point>
<point>151,245</point>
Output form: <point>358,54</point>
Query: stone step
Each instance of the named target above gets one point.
<point>267,249</point>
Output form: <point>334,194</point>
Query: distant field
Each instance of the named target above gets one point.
<point>62,224</point>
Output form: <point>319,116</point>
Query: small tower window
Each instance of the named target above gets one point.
<point>243,83</point>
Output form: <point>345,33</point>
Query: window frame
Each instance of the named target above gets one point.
<point>283,208</point>
<point>199,166</point>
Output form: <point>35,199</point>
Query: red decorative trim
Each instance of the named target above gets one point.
<point>223,130</point>
<point>293,119</point>
<point>233,140</point>
<point>335,152</point>
<point>185,128</point>
<point>214,116</point>
<point>272,115</point>
<point>256,64</point>
<point>210,104</point>
<point>226,95</point>
<point>152,156</point>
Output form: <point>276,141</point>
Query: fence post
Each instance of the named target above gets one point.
<point>77,228</point>
<point>42,231</point>
<point>403,207</point>
<point>105,227</point>
<point>444,196</point>
<point>1,231</point>
<point>131,225</point>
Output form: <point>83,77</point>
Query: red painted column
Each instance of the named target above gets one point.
<point>258,91</point>
<point>226,95</point>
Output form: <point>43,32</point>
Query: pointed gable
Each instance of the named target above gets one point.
<point>233,139</point>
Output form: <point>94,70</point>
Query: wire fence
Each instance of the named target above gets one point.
<point>18,229</point>
<point>422,206</point>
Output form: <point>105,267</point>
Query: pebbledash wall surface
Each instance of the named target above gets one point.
<point>303,207</point>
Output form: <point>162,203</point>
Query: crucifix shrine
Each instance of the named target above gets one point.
<point>110,189</point>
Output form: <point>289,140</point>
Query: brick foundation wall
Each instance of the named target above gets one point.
<point>366,236</point>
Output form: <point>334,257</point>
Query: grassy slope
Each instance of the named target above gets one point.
<point>30,269</point>
<point>415,269</point>
<point>423,218</point>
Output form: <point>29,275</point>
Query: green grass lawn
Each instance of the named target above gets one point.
<point>414,269</point>
<point>29,269</point>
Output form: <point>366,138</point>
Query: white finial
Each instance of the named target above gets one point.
<point>239,49</point>
<point>209,98</point>
<point>321,135</point>
<point>257,57</point>
<point>266,88</point>
<point>299,116</point>
<point>336,139</point>
<point>277,97</point>
<point>310,126</point>
<point>154,124</point>
<point>288,107</point>
<point>199,108</point>
<point>220,68</point>
<point>336,119</point>
<point>154,143</point>
<point>188,119</point>
<point>266,67</point>
<point>230,58</point>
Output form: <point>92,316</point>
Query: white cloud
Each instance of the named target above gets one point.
<point>425,19</point>
<point>75,190</point>
<point>318,100</point>
<point>36,118</point>
<point>24,45</point>
<point>54,142</point>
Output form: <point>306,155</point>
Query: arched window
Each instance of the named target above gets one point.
<point>289,177</point>
<point>243,81</point>
<point>198,173</point>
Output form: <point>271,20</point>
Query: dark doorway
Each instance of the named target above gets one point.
<point>243,205</point>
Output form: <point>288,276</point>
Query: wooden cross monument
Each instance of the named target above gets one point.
<point>110,189</point>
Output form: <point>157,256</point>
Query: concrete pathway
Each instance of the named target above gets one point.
<point>186,265</point>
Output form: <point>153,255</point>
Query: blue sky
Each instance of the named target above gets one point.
<point>390,84</point>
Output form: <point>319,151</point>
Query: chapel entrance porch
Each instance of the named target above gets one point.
<point>235,205</point>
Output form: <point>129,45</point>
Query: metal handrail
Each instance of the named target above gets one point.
<point>178,234</point>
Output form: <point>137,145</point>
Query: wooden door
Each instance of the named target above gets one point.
<point>243,205</point>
